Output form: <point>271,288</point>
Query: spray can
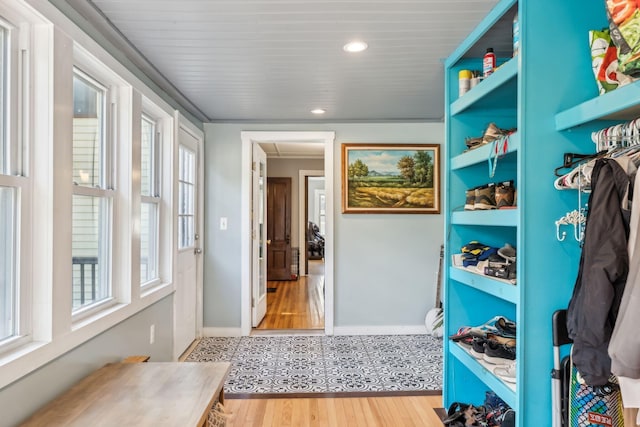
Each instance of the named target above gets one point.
<point>488,62</point>
<point>464,82</point>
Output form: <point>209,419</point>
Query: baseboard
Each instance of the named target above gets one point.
<point>380,330</point>
<point>221,332</point>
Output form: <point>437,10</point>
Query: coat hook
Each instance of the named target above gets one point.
<point>559,236</point>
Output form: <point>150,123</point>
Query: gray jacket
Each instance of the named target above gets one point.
<point>624,347</point>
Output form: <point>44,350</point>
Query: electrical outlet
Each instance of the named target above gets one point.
<point>152,334</point>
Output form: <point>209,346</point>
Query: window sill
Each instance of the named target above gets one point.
<point>19,362</point>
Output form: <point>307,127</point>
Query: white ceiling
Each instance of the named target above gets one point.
<point>275,60</point>
<point>292,150</point>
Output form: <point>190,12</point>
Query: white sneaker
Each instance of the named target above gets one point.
<point>506,372</point>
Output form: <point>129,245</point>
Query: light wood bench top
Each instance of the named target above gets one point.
<point>138,394</point>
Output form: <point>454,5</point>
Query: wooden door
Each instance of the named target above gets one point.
<point>278,228</point>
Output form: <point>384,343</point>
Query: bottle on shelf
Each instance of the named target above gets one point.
<point>464,82</point>
<point>488,62</point>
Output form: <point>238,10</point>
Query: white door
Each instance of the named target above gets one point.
<point>258,234</point>
<point>188,242</point>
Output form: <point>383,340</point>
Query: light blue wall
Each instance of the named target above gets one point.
<point>131,337</point>
<point>385,265</point>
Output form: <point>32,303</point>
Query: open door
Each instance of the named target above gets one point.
<point>258,234</point>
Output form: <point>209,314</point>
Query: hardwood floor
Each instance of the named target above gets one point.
<point>398,411</point>
<point>296,304</point>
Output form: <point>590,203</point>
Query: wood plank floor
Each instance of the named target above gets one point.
<point>397,411</point>
<point>296,304</point>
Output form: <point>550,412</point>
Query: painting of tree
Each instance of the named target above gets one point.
<point>390,178</point>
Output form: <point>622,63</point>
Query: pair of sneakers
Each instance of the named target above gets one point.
<point>500,195</point>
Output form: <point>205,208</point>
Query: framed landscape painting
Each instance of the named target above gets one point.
<point>391,178</point>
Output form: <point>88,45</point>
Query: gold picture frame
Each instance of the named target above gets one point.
<point>391,178</point>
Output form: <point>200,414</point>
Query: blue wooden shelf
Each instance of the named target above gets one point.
<point>498,217</point>
<point>620,104</point>
<point>499,288</point>
<point>481,154</point>
<point>499,89</point>
<point>482,370</point>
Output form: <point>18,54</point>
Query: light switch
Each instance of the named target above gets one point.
<point>223,223</point>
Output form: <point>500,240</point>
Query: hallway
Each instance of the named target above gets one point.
<point>296,304</point>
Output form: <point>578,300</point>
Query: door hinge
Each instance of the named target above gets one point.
<point>253,302</point>
<point>253,166</point>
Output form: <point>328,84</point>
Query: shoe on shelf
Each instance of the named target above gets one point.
<point>508,252</point>
<point>498,354</point>
<point>477,347</point>
<point>485,197</point>
<point>498,338</point>
<point>470,199</point>
<point>506,328</point>
<point>505,195</point>
<point>465,334</point>
<point>506,372</point>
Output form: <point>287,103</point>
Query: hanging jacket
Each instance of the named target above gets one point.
<point>624,347</point>
<point>602,274</point>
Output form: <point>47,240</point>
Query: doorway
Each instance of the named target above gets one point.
<point>326,139</point>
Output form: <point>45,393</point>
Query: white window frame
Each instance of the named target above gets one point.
<point>89,69</point>
<point>15,170</point>
<point>155,198</point>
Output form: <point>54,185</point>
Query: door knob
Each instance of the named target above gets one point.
<point>268,241</point>
<point>197,251</point>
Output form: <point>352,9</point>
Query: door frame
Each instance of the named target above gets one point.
<point>248,139</point>
<point>198,135</point>
<point>302,208</point>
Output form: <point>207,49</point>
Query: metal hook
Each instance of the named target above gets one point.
<point>559,236</point>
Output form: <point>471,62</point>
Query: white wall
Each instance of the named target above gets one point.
<point>131,337</point>
<point>385,265</point>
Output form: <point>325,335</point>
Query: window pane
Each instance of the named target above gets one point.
<point>149,242</point>
<point>88,133</point>
<point>148,154</point>
<point>4,110</point>
<point>186,198</point>
<point>8,289</point>
<point>91,250</point>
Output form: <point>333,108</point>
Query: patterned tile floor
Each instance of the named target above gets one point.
<point>326,364</point>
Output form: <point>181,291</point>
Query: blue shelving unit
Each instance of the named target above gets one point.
<point>549,94</point>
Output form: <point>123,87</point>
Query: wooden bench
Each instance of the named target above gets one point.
<point>138,394</point>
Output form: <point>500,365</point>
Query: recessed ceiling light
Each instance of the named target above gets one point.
<point>355,46</point>
<point>318,111</point>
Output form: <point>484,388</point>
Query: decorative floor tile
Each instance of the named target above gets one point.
<point>317,364</point>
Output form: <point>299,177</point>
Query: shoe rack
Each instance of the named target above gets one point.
<point>540,92</point>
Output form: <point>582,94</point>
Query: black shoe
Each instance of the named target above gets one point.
<point>498,354</point>
<point>477,347</point>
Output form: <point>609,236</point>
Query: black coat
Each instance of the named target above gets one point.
<point>604,265</point>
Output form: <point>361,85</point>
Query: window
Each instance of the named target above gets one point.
<point>15,187</point>
<point>186,197</point>
<point>150,198</point>
<point>4,108</point>
<point>92,193</point>
<point>8,283</point>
